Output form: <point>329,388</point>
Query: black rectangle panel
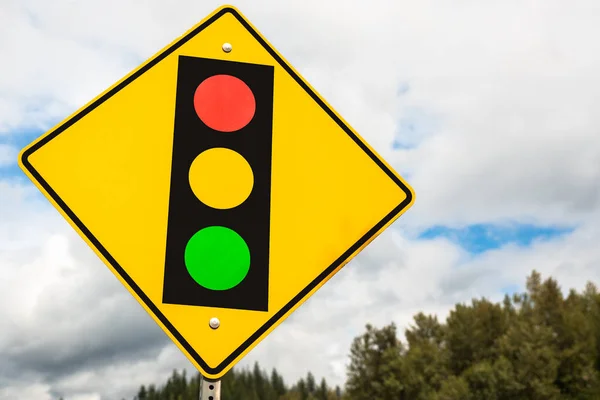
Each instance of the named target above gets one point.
<point>187,214</point>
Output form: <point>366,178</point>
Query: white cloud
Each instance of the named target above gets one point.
<point>508,88</point>
<point>113,381</point>
<point>63,315</point>
<point>502,96</point>
<point>514,87</point>
<point>73,328</point>
<point>410,277</point>
<point>26,391</point>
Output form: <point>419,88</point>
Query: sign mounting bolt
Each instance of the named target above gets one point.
<point>227,47</point>
<point>214,323</point>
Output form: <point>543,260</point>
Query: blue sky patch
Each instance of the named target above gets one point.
<point>414,126</point>
<point>480,238</point>
<point>18,139</point>
<point>403,88</point>
<point>512,289</point>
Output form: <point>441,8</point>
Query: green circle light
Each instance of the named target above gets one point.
<point>217,258</point>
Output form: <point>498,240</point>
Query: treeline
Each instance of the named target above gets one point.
<point>244,384</point>
<point>537,345</point>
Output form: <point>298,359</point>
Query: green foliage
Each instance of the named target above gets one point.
<point>538,345</point>
<point>376,370</point>
<point>254,384</point>
<point>454,388</point>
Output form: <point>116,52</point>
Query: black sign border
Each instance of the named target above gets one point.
<point>300,296</point>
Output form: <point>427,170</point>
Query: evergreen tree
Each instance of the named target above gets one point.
<point>142,395</point>
<point>425,362</point>
<point>302,389</point>
<point>322,392</point>
<point>376,370</point>
<point>536,345</point>
<point>311,385</point>
<point>277,383</point>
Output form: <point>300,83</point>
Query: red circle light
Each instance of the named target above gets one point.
<point>224,103</point>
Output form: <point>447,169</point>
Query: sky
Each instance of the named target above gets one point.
<point>488,109</point>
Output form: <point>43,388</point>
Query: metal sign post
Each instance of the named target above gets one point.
<point>210,390</point>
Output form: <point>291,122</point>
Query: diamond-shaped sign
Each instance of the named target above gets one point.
<point>218,186</point>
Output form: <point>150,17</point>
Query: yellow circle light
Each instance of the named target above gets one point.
<point>221,178</point>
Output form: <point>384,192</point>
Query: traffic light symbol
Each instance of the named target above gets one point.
<point>217,250</point>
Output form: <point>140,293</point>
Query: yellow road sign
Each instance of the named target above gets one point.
<point>218,186</point>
